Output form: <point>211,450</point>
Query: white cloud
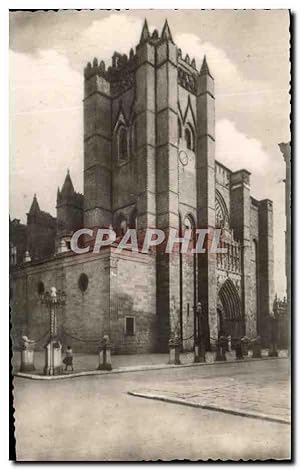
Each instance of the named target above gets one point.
<point>99,39</point>
<point>237,150</point>
<point>228,78</point>
<point>45,129</point>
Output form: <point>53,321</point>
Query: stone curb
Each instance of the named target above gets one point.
<point>233,411</point>
<point>137,369</point>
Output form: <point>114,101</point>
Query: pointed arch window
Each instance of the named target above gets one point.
<point>179,129</point>
<point>122,144</point>
<point>189,137</point>
<point>133,138</point>
<point>221,211</point>
<point>189,224</point>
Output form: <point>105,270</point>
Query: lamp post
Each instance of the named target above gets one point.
<point>52,300</point>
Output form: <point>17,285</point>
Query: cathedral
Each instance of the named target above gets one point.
<point>149,161</point>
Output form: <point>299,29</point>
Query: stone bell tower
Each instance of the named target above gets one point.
<point>140,114</point>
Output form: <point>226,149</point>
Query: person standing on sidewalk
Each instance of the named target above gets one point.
<point>68,359</point>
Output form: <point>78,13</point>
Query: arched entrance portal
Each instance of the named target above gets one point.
<point>230,319</point>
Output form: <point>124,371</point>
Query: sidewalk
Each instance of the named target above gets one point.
<point>86,364</point>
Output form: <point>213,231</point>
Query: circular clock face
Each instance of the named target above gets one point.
<point>183,157</point>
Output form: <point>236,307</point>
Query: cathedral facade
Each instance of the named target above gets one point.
<point>149,161</point>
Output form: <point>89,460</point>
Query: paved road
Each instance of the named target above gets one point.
<point>93,418</point>
<point>267,397</point>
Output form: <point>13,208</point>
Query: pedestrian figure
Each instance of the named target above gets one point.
<point>68,359</point>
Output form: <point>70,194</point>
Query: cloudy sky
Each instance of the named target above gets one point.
<point>247,52</point>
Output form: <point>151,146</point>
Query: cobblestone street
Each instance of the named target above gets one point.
<point>95,418</point>
<point>267,397</point>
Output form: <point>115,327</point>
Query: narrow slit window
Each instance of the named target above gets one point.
<point>123,145</point>
<point>188,138</point>
<point>179,129</point>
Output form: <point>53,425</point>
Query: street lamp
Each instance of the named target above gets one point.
<point>52,300</point>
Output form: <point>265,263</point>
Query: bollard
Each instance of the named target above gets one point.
<point>229,343</point>
<point>245,345</point>
<point>199,352</point>
<point>256,347</point>
<point>105,354</point>
<point>27,355</point>
<point>174,351</point>
<point>196,353</point>
<point>221,348</point>
<point>273,352</point>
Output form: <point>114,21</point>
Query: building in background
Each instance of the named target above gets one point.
<point>149,161</point>
<point>285,149</point>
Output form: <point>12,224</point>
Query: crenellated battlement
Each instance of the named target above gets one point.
<point>120,62</point>
<point>187,72</point>
<point>187,61</point>
<point>120,74</point>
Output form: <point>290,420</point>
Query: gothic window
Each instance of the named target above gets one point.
<point>133,135</point>
<point>179,129</point>
<point>122,144</point>
<point>188,223</point>
<point>222,216</point>
<point>189,137</point>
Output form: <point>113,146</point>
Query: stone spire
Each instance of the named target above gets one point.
<point>204,68</point>
<point>145,33</point>
<point>166,32</point>
<point>35,208</point>
<point>68,188</point>
<point>58,195</point>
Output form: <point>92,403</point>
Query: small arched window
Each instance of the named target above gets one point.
<point>122,144</point>
<point>179,129</point>
<point>187,223</point>
<point>189,138</point>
